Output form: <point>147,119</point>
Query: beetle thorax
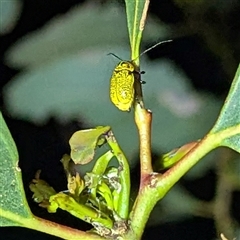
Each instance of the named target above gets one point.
<point>125,65</point>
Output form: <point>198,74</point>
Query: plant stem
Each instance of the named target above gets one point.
<point>48,227</point>
<point>154,186</point>
<point>165,182</point>
<point>58,230</point>
<point>143,119</point>
<point>211,141</point>
<point>146,199</point>
<point>145,202</point>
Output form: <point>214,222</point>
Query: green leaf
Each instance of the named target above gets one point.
<point>81,211</point>
<point>172,157</point>
<point>124,175</point>
<point>13,204</point>
<point>84,142</point>
<point>136,22</point>
<point>41,189</point>
<point>102,163</point>
<point>230,115</point>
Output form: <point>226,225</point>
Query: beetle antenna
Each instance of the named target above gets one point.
<point>155,45</point>
<point>147,50</point>
<point>115,56</point>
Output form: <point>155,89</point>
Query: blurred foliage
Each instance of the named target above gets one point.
<point>9,12</point>
<point>214,22</point>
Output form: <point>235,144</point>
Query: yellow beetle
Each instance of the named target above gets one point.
<point>122,91</point>
<point>122,85</point>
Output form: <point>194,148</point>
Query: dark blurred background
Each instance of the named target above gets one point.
<point>205,47</point>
